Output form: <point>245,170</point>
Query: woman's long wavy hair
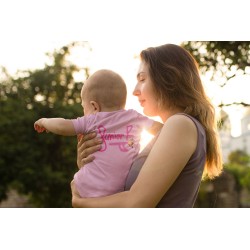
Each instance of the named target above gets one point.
<point>177,83</point>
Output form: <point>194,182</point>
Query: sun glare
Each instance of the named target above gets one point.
<point>145,139</point>
<point>235,91</point>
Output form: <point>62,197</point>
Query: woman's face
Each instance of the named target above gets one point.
<point>145,92</point>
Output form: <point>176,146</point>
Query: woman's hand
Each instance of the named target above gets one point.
<point>86,146</point>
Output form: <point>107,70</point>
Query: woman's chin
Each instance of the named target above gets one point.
<point>147,113</point>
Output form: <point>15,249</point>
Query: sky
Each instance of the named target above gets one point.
<point>31,28</point>
<point>115,30</point>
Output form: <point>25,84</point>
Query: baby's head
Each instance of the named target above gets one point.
<point>104,90</point>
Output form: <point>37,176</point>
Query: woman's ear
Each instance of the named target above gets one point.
<point>96,107</point>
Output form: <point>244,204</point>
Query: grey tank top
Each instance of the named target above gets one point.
<point>184,190</point>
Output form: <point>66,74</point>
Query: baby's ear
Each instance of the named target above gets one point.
<point>96,106</point>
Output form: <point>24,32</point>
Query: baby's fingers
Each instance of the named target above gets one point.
<point>39,129</point>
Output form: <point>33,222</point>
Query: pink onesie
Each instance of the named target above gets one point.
<point>120,132</point>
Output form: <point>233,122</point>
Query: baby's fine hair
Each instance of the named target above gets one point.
<point>107,88</point>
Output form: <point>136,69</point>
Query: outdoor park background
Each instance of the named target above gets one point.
<point>46,52</point>
<point>41,166</point>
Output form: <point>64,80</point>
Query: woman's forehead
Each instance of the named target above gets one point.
<point>143,68</point>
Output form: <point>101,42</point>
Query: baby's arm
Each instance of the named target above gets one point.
<point>59,126</point>
<point>155,128</point>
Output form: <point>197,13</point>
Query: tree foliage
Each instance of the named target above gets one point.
<point>234,179</point>
<point>238,165</point>
<point>40,165</point>
<point>223,60</point>
<point>239,157</point>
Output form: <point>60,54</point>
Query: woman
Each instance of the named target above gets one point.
<point>169,170</point>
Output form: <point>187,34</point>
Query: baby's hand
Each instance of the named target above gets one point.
<point>38,126</point>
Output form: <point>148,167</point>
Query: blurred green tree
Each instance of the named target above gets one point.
<point>40,165</point>
<point>238,165</point>
<point>238,168</point>
<point>221,60</point>
<point>239,157</point>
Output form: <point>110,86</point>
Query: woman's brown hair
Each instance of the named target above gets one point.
<point>177,83</point>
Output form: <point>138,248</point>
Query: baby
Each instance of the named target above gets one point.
<point>103,100</point>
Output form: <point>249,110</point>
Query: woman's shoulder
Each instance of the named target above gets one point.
<point>181,121</point>
<point>189,122</point>
<point>181,129</point>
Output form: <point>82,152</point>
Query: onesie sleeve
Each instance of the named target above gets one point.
<point>80,124</point>
<point>144,121</point>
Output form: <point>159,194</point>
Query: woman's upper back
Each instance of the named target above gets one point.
<point>184,190</point>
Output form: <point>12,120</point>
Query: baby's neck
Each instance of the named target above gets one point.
<point>105,109</point>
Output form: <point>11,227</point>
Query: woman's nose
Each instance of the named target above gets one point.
<point>136,91</point>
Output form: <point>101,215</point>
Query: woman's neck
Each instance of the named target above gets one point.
<point>170,112</point>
